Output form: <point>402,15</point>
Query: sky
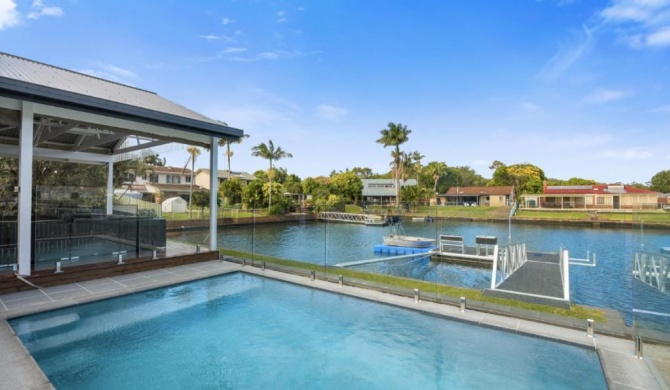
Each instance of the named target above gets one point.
<point>579,88</point>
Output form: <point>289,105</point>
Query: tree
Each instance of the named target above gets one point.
<point>201,199</point>
<point>436,170</point>
<point>269,152</point>
<point>661,182</point>
<point>395,135</point>
<point>347,185</point>
<point>416,158</point>
<point>193,153</point>
<point>154,160</point>
<point>231,189</point>
<point>252,195</point>
<point>226,142</point>
<point>526,178</point>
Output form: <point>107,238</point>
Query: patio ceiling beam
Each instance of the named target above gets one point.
<point>95,141</point>
<point>58,155</point>
<point>53,133</point>
<point>141,146</point>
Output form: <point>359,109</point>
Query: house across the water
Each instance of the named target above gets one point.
<point>494,196</point>
<point>592,197</point>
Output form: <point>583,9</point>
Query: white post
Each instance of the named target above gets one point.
<point>213,192</point>
<point>25,189</point>
<point>110,187</point>
<point>495,267</point>
<point>566,275</point>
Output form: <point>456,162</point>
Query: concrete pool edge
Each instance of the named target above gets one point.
<point>620,367</point>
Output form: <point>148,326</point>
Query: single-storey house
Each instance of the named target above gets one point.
<point>495,196</point>
<point>202,177</point>
<point>591,197</point>
<point>382,190</point>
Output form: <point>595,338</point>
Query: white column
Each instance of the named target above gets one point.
<point>110,187</point>
<point>24,228</point>
<point>213,192</point>
<point>566,275</point>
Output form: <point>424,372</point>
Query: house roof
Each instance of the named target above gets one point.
<point>157,120</point>
<point>223,173</point>
<point>477,191</point>
<point>173,187</point>
<point>172,170</point>
<point>595,189</point>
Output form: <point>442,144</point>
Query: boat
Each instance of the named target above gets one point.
<point>398,238</point>
<point>427,218</point>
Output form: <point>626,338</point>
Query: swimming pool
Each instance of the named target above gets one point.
<point>243,331</point>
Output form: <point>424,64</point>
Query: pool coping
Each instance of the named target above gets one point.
<point>620,366</point>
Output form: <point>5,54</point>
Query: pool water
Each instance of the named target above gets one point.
<point>240,331</point>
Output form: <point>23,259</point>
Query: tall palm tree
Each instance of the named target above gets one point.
<point>269,152</point>
<point>416,163</point>
<point>436,170</point>
<point>193,153</point>
<point>395,135</point>
<point>227,142</point>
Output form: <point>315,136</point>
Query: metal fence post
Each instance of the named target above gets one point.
<point>589,327</point>
<point>463,304</point>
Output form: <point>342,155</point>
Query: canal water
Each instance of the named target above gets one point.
<point>607,285</point>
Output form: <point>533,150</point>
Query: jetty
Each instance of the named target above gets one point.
<point>452,249</point>
<point>365,219</point>
<point>535,277</point>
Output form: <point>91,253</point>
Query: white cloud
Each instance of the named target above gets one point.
<point>110,72</point>
<point>281,17</point>
<point>39,9</point>
<point>605,96</point>
<point>226,21</point>
<point>212,37</point>
<point>659,38</point>
<point>235,50</point>
<point>268,56</point>
<point>9,17</point>
<point>627,155</point>
<point>639,23</point>
<point>329,112</point>
<point>568,53</point>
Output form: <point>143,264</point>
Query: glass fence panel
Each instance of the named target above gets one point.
<point>650,276</point>
<point>8,239</point>
<point>81,240</point>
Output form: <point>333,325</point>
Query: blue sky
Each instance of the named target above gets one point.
<point>580,88</point>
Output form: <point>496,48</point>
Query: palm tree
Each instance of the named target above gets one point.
<point>416,163</point>
<point>227,142</point>
<point>436,170</point>
<point>395,135</point>
<point>269,152</point>
<point>193,153</point>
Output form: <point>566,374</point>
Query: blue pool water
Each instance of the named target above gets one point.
<point>608,285</point>
<point>245,332</point>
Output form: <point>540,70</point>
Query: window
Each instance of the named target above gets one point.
<point>600,200</point>
<point>187,179</point>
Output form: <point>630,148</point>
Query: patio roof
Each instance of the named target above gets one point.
<point>76,112</point>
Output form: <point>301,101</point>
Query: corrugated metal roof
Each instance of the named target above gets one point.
<point>29,77</point>
<point>476,191</point>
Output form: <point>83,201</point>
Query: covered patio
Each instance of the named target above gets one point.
<point>50,113</point>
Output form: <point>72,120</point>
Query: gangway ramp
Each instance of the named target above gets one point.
<point>535,277</point>
<point>365,219</point>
